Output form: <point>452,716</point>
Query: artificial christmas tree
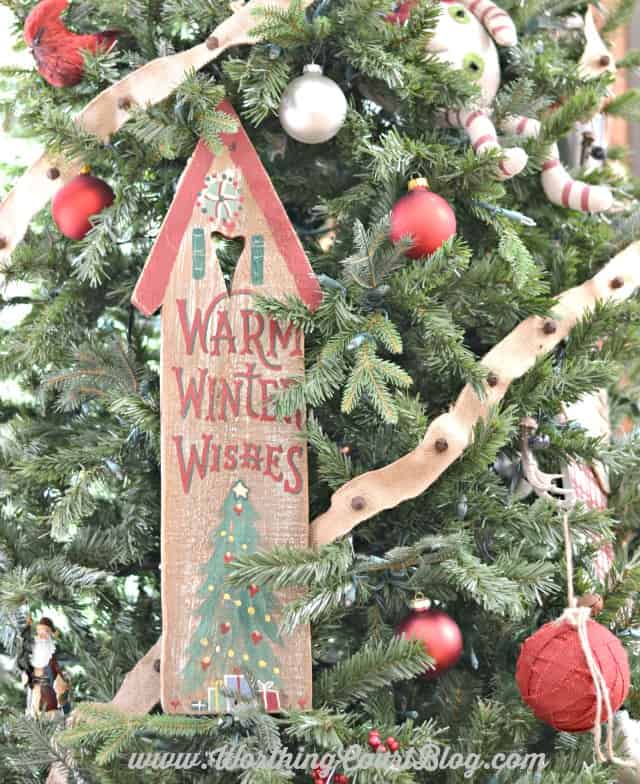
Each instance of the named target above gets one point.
<point>417,377</point>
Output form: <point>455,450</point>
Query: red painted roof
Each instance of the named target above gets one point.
<point>152,283</point>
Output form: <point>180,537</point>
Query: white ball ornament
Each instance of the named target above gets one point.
<point>313,107</point>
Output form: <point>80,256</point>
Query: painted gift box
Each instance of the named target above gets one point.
<point>270,696</point>
<point>240,685</point>
<point>215,698</point>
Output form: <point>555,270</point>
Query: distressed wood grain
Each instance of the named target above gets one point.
<point>233,478</point>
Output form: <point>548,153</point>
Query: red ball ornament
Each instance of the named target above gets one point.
<point>77,201</point>
<point>438,632</point>
<point>554,678</point>
<point>425,217</point>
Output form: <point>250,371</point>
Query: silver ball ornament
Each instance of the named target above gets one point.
<point>313,107</point>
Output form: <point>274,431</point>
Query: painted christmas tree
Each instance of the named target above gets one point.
<point>236,625</point>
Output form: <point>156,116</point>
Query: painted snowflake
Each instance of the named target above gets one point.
<point>222,199</point>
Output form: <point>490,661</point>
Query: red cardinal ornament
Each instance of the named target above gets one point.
<point>56,50</point>
<point>438,632</point>
<point>402,12</point>
<point>424,216</point>
<point>77,201</point>
<point>554,678</point>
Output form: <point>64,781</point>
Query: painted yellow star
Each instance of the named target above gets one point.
<point>244,546</point>
<point>231,539</point>
<point>204,641</point>
<point>210,587</point>
<point>262,663</point>
<point>218,649</point>
<point>267,618</point>
<point>231,653</point>
<point>226,597</point>
<point>276,670</point>
<point>238,603</point>
<point>223,533</point>
<point>245,657</point>
<point>251,610</point>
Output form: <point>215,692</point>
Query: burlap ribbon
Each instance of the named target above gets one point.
<point>450,434</point>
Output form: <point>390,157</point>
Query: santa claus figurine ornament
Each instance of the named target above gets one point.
<point>47,687</point>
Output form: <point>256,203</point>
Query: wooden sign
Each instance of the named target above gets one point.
<point>234,480</point>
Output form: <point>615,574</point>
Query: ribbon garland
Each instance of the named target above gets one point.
<point>449,435</point>
<point>578,617</point>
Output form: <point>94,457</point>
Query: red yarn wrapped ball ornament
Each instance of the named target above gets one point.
<point>77,201</point>
<point>425,217</point>
<point>438,632</point>
<point>554,678</point>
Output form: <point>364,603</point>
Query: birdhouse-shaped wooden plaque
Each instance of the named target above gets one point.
<point>234,479</point>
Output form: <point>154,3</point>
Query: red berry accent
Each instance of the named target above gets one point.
<point>381,749</point>
<point>228,557</point>
<point>256,637</point>
<point>253,590</point>
<point>225,627</point>
<point>238,509</point>
<point>375,741</point>
<point>392,743</point>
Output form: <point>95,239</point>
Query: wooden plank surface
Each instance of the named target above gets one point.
<point>233,478</point>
